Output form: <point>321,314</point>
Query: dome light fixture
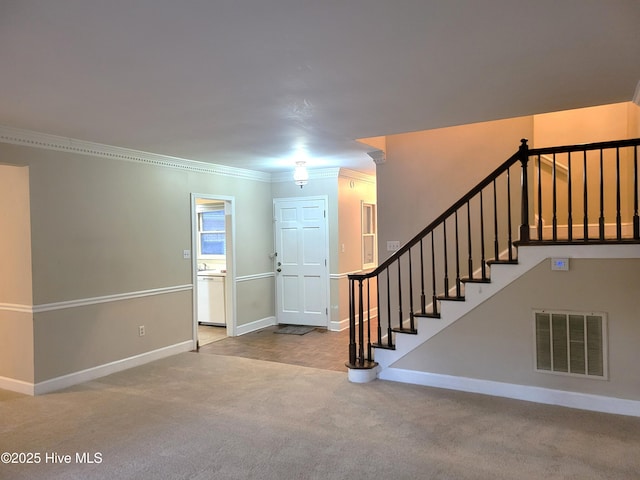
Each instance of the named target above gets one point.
<point>300,174</point>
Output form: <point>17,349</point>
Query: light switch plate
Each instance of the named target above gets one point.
<point>393,245</point>
<point>186,254</point>
<point>560,264</point>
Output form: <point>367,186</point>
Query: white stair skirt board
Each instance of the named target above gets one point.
<point>582,401</point>
<point>477,293</point>
<point>501,276</point>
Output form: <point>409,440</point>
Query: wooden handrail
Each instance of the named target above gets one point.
<point>357,337</point>
<point>429,228</point>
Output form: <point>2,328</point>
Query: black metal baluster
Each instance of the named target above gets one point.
<point>360,323</point>
<point>389,330</point>
<point>399,294</point>
<point>411,322</point>
<point>618,214</point>
<point>434,296</point>
<point>509,225</point>
<point>352,323</point>
<point>446,261</point>
<point>423,299</point>
<point>458,292</point>
<point>636,218</point>
<point>496,245</point>
<point>369,353</point>
<point>555,200</point>
<point>469,240</point>
<point>379,342</point>
<point>539,199</point>
<point>483,262</point>
<point>570,202</point>
<point>585,198</point>
<point>458,283</point>
<point>601,219</point>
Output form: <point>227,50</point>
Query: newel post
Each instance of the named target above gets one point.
<point>352,323</point>
<point>523,154</point>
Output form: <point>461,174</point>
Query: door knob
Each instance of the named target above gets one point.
<point>279,270</point>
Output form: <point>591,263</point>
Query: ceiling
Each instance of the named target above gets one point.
<point>253,83</point>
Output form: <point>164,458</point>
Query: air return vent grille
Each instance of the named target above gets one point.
<point>571,343</point>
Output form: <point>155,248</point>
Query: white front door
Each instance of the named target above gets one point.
<point>301,261</point>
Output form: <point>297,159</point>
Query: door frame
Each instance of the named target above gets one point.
<point>230,278</point>
<point>325,199</point>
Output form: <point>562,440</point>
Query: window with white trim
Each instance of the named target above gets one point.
<point>211,232</point>
<point>571,343</point>
<point>369,236</point>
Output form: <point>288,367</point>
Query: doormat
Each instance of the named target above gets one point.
<point>295,330</point>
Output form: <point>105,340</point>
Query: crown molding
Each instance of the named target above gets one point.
<point>378,156</point>
<point>45,141</point>
<point>313,174</point>
<point>355,175</point>
<point>326,173</point>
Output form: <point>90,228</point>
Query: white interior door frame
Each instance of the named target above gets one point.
<point>324,289</point>
<point>230,278</point>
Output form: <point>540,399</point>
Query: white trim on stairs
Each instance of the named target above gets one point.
<point>477,293</point>
<point>501,276</point>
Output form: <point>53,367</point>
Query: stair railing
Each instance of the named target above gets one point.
<point>421,268</point>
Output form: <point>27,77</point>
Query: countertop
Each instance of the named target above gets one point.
<point>212,273</point>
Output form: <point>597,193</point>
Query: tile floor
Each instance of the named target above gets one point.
<point>319,348</point>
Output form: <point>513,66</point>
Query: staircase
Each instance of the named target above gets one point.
<point>573,201</point>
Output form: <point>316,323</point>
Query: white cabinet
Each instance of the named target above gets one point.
<point>211,308</point>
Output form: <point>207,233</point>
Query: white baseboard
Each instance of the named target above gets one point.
<point>18,386</point>
<point>340,325</point>
<point>82,376</point>
<point>257,325</point>
<point>583,401</point>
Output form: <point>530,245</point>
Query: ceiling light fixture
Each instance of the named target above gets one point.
<point>300,174</point>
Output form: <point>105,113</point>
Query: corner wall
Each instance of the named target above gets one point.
<point>16,319</point>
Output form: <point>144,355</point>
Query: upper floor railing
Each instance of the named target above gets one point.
<point>562,195</point>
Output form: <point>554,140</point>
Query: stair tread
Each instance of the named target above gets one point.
<point>405,330</point>
<point>451,298</point>
<point>427,315</point>
<point>383,346</point>
<point>475,280</point>
<point>502,262</point>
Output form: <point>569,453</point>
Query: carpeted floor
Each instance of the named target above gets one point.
<point>195,416</point>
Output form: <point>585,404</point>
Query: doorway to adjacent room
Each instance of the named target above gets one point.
<point>212,267</point>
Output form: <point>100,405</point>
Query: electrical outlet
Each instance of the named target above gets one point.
<point>141,331</point>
